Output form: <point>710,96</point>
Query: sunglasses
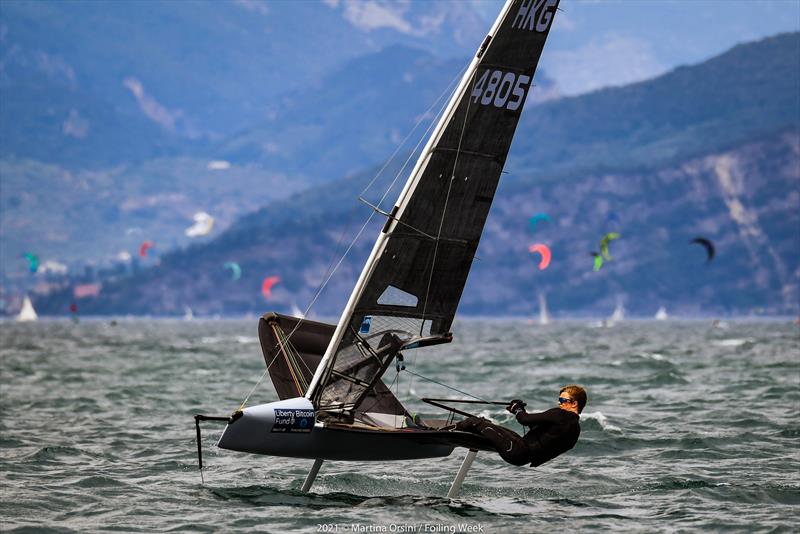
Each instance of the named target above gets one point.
<point>564,400</point>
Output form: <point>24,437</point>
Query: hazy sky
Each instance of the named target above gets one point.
<point>596,43</point>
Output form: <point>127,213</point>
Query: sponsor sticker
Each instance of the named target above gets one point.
<point>293,421</point>
<point>365,324</point>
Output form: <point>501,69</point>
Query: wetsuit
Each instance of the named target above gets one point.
<point>552,433</point>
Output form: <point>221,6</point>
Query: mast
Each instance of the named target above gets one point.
<point>408,291</point>
<point>402,201</point>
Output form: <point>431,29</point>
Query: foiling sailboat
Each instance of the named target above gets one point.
<point>333,404</point>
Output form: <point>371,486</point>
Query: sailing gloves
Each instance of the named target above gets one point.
<point>516,406</point>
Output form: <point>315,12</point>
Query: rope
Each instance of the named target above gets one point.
<point>448,387</point>
<point>446,200</point>
<point>363,227</point>
<point>293,360</point>
<point>329,275</point>
<point>441,223</point>
<point>403,142</point>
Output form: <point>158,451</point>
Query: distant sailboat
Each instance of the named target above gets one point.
<point>27,313</point>
<point>661,314</point>
<point>619,313</point>
<point>544,317</point>
<point>188,315</point>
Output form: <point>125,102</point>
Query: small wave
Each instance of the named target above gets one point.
<point>734,342</point>
<point>59,453</point>
<point>602,420</point>
<point>241,340</point>
<point>98,481</point>
<point>267,496</point>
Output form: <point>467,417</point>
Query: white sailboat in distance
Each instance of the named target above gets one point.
<point>333,404</point>
<point>544,316</point>
<point>661,314</point>
<point>619,313</point>
<point>27,313</point>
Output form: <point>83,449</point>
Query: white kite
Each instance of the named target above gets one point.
<point>203,223</point>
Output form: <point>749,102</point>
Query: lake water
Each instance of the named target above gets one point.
<point>688,428</point>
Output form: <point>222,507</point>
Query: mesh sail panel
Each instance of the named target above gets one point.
<point>370,349</point>
<point>293,362</point>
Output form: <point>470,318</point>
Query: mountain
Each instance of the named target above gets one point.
<point>175,73</point>
<point>120,120</point>
<point>345,124</point>
<point>746,92</point>
<point>687,154</point>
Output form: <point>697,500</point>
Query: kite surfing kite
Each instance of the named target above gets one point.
<point>544,251</point>
<point>33,261</point>
<point>144,247</point>
<point>604,244</point>
<point>539,217</point>
<point>707,244</point>
<point>266,285</point>
<point>598,261</point>
<point>203,223</point>
<point>236,271</point>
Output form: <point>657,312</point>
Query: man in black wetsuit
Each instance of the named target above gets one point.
<point>552,432</point>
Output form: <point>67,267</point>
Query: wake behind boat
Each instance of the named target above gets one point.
<point>333,403</point>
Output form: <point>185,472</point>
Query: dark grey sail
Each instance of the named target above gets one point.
<point>409,291</point>
<point>293,348</point>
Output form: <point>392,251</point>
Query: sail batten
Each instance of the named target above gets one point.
<point>425,250</point>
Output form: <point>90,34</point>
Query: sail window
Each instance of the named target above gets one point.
<point>393,296</point>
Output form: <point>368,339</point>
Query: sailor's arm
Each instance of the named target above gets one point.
<point>531,419</point>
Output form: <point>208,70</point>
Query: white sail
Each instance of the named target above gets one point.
<point>188,315</point>
<point>661,314</point>
<point>619,312</point>
<point>27,313</point>
<point>544,316</point>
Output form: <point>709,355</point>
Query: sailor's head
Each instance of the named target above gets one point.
<point>572,398</point>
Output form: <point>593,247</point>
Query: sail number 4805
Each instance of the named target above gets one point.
<point>501,89</point>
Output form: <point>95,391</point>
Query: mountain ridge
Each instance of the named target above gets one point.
<point>738,186</point>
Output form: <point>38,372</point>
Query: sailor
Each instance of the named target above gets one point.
<point>552,432</point>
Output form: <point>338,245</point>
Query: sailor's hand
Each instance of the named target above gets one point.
<point>515,406</point>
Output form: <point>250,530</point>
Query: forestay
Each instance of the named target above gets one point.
<point>409,290</point>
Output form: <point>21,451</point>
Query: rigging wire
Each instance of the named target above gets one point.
<point>448,387</point>
<point>444,212</point>
<point>363,227</point>
<point>446,91</point>
<point>330,274</point>
<point>446,199</point>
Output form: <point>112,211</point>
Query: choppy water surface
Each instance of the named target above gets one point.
<point>689,427</point>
